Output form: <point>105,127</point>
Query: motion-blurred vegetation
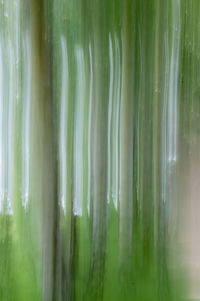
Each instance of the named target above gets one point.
<point>96,120</point>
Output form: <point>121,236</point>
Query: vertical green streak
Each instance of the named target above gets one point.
<point>126,131</point>
<point>100,48</point>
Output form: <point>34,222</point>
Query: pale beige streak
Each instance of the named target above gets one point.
<point>192,221</point>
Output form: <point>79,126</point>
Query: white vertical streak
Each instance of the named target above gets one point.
<point>110,115</point>
<point>17,39</point>
<point>9,209</point>
<point>164,121</point>
<point>170,112</point>
<point>26,120</point>
<point>89,130</point>
<point>78,132</point>
<point>117,76</point>
<point>173,83</point>
<point>63,125</point>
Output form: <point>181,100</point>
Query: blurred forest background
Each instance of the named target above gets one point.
<point>99,150</point>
